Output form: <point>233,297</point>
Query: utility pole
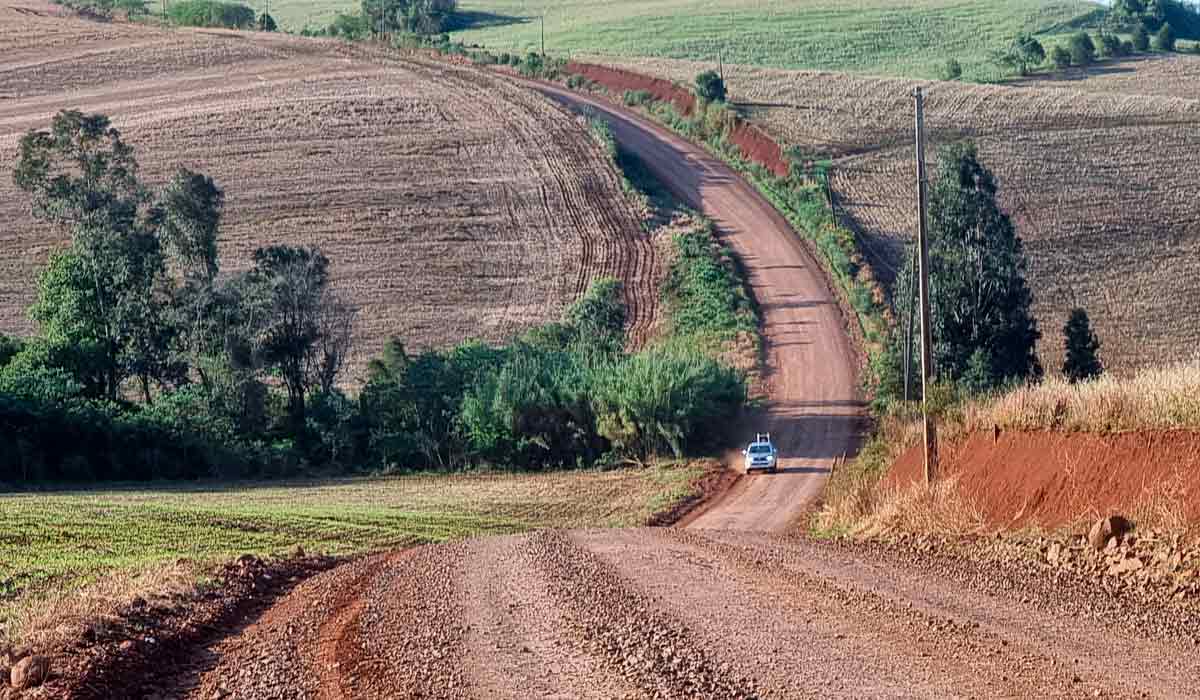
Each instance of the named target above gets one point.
<point>543,25</point>
<point>721,64</point>
<point>927,370</point>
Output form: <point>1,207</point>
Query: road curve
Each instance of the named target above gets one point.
<point>815,409</point>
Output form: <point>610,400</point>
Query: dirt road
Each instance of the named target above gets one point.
<point>815,411</point>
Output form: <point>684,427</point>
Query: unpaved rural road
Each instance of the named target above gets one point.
<point>723,609</point>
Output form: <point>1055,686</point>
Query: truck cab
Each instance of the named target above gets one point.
<point>761,454</point>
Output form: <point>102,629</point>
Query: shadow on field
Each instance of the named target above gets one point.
<point>473,19</point>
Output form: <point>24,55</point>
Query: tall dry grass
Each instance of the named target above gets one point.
<point>1154,399</point>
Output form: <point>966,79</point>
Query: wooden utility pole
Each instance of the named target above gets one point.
<point>927,370</point>
<point>721,65</point>
<point>543,25</point>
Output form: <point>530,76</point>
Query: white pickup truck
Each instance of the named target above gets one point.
<point>761,454</point>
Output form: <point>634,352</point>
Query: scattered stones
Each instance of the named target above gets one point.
<point>30,672</point>
<point>1107,529</point>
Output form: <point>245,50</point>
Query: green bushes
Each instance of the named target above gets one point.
<point>710,86</point>
<point>1082,49</point>
<point>703,293</point>
<point>1164,39</point>
<point>951,70</point>
<point>210,13</point>
<point>1141,39</point>
<point>1060,57</point>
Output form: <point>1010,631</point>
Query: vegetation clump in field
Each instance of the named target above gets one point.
<point>1082,349</point>
<point>210,13</point>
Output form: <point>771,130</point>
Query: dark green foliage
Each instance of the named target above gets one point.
<point>1082,346</point>
<point>1141,39</point>
<point>9,347</point>
<point>703,292</point>
<point>599,316</point>
<point>709,86</point>
<point>1110,45</point>
<point>1127,48</point>
<point>266,23</point>
<point>1151,15</point>
<point>1164,38</point>
<point>1024,53</point>
<point>984,334</point>
<point>348,26</point>
<point>210,13</point>
<point>1060,57</point>
<point>1082,48</point>
<point>951,70</point>
<point>424,17</point>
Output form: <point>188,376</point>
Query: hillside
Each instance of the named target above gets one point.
<point>912,38</point>
<point>1099,185</point>
<point>451,204</point>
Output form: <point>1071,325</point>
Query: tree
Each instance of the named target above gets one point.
<point>1164,39</point>
<point>414,16</point>
<point>1141,39</point>
<point>266,23</point>
<point>1110,45</point>
<point>1060,57</point>
<point>1082,346</point>
<point>304,336</point>
<point>709,86</point>
<point>951,70</point>
<point>1083,50</point>
<point>1025,51</point>
<point>984,334</point>
<point>103,295</point>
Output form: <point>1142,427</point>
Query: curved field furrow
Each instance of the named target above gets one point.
<point>1097,174</point>
<point>422,181</point>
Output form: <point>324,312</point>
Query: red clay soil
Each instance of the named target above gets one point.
<point>753,143</point>
<point>1054,479</point>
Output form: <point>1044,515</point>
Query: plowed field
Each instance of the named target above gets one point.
<point>451,204</point>
<point>1099,184</point>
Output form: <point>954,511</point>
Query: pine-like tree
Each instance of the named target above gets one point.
<point>1082,346</point>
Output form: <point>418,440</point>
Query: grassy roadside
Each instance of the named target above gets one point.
<point>54,544</point>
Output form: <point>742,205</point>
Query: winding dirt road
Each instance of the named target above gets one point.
<point>724,608</point>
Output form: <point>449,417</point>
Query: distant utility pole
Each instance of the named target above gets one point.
<point>927,370</point>
<point>721,64</point>
<point>542,17</point>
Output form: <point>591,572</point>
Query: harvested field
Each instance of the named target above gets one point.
<point>1163,75</point>
<point>1099,186</point>
<point>452,204</point>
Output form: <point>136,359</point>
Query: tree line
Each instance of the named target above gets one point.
<point>150,361</point>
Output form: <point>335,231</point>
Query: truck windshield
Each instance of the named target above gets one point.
<point>760,449</point>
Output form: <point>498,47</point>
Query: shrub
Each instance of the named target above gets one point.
<point>636,98</point>
<point>211,13</point>
<point>1164,39</point>
<point>951,70</point>
<point>1127,48</point>
<point>266,23</point>
<point>1060,57</point>
<point>1141,39</point>
<point>1082,346</point>
<point>1110,45</point>
<point>710,86</point>
<point>1083,50</point>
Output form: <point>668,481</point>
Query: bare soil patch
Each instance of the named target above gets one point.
<point>451,203</point>
<point>1055,480</point>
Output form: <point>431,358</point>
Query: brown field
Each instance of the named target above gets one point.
<point>1164,75</point>
<point>452,204</point>
<point>1101,184</point>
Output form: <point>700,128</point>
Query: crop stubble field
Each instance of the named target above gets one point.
<point>1100,183</point>
<point>451,204</point>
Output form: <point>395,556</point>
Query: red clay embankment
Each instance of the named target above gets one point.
<point>1054,479</point>
<point>755,145</point>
